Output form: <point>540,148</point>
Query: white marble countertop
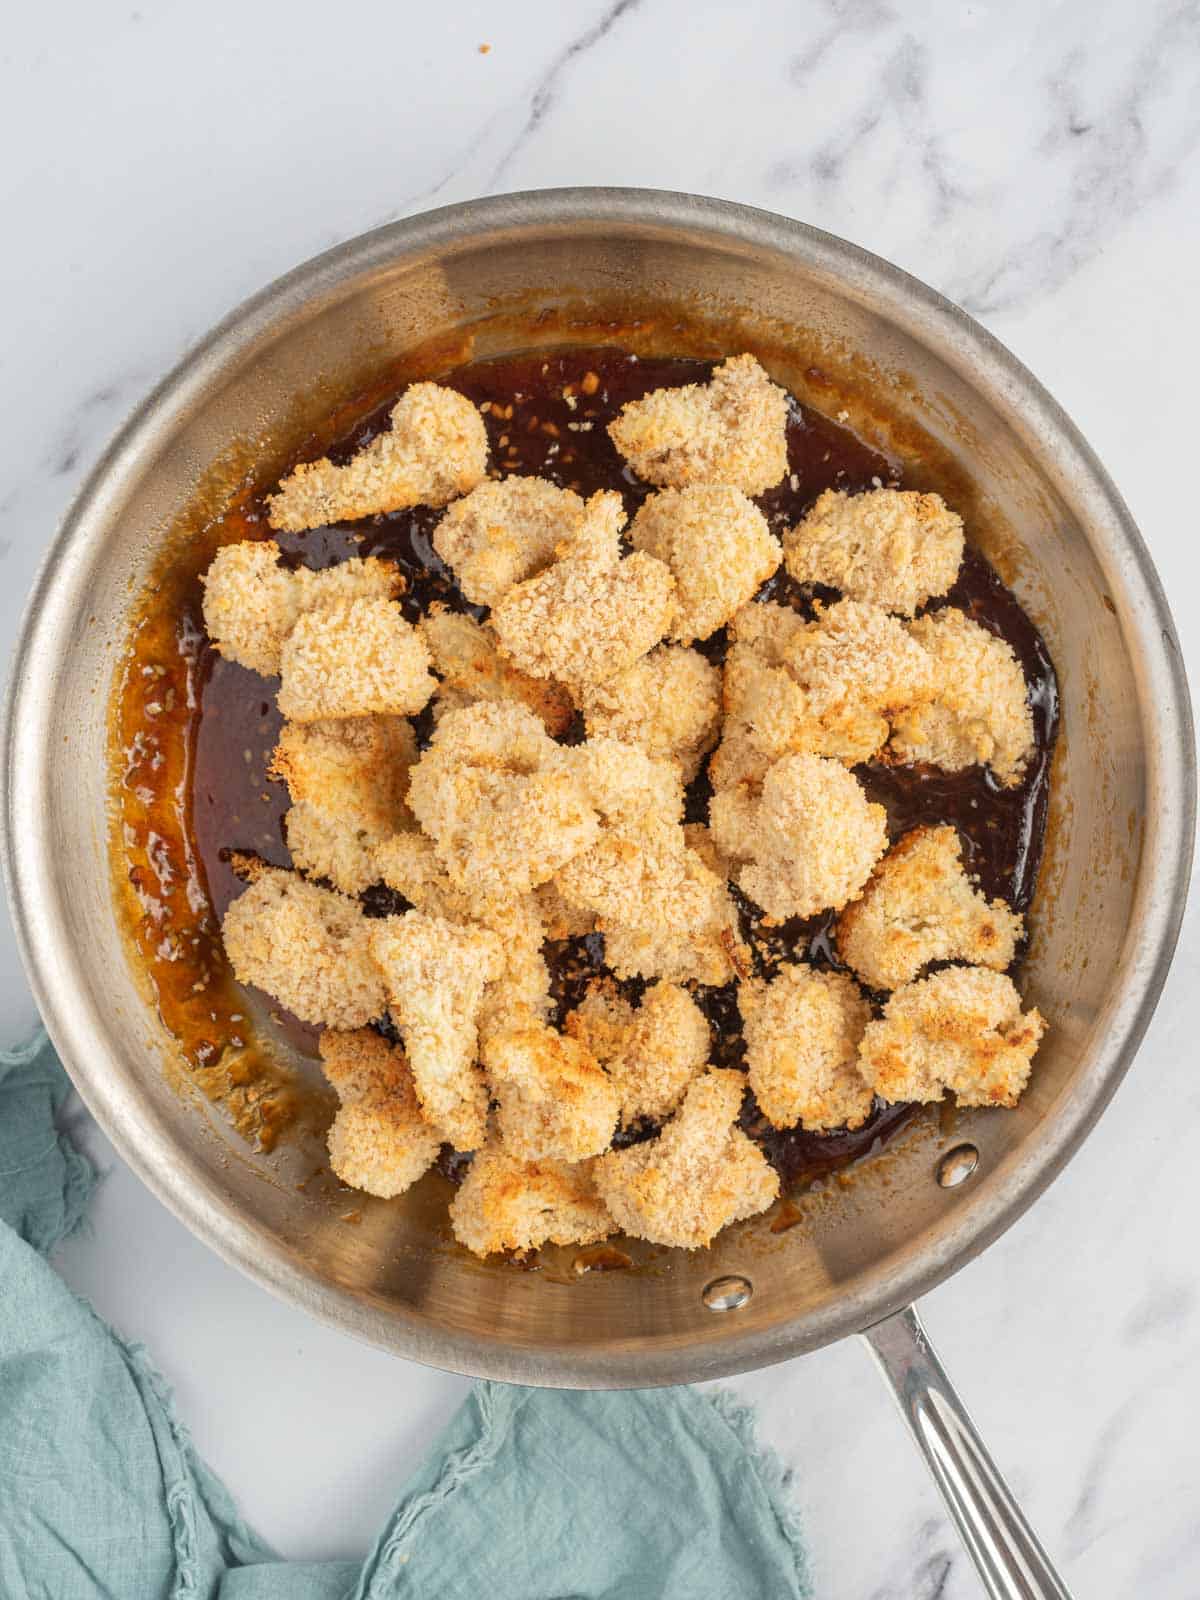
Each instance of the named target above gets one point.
<point>1037,163</point>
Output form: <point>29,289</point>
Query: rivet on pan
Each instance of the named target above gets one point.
<point>957,1165</point>
<point>727,1294</point>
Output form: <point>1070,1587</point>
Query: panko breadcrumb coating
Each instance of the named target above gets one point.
<point>651,1052</point>
<point>560,919</point>
<point>700,1174</point>
<point>435,449</point>
<point>591,614</point>
<point>920,906</point>
<point>960,1029</point>
<point>732,430</point>
<point>556,1102</point>
<point>668,704</point>
<point>641,874</point>
<point>251,603</point>
<point>502,807</point>
<point>348,778</point>
<point>718,546</point>
<point>803,1030</point>
<point>711,954</point>
<point>622,781</point>
<point>825,687</point>
<point>506,1204</point>
<point>435,974</point>
<point>808,842</point>
<point>379,1141</point>
<point>355,768</point>
<point>353,660</point>
<point>893,548</point>
<point>505,531</point>
<point>981,712</point>
<point>467,659</point>
<point>520,993</point>
<point>307,947</point>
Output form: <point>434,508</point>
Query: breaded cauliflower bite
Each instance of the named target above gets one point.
<point>718,547</point>
<point>556,1102</point>
<point>640,873</point>
<point>622,781</point>
<point>520,994</point>
<point>825,687</point>
<point>651,1051</point>
<point>435,973</point>
<point>506,1204</point>
<point>808,843</point>
<point>307,947</point>
<point>353,660</point>
<point>467,659</point>
<point>803,1030</point>
<point>379,1141</point>
<point>893,548</point>
<point>920,906</point>
<point>731,430</point>
<point>700,1174</point>
<point>981,713</point>
<point>251,603</point>
<point>503,809</point>
<point>668,704</point>
<point>592,613</point>
<point>505,531</point>
<point>435,450</point>
<point>712,953</point>
<point>348,779</point>
<point>960,1029</point>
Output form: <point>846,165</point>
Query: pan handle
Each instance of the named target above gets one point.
<point>1011,1562</point>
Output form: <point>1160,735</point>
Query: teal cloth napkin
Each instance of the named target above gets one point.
<point>530,1494</point>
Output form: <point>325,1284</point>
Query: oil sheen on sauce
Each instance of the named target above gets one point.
<point>196,733</point>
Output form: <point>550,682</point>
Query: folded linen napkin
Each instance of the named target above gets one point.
<point>532,1494</point>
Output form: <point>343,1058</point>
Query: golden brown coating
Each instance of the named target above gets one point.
<point>667,704</point>
<point>732,430</point>
<point>354,659</point>
<point>561,919</point>
<point>807,843</point>
<point>718,546</point>
<point>503,809</point>
<point>307,947</point>
<point>640,873</point>
<point>506,1204</point>
<point>354,767</point>
<point>379,1141</point>
<point>825,687</point>
<point>959,1029</point>
<point>556,1102</point>
<point>348,778</point>
<point>651,1051</point>
<point>920,906</point>
<point>251,603</point>
<point>505,531</point>
<point>592,613</point>
<point>467,659</point>
<point>712,953</point>
<point>700,1174</point>
<point>435,974</point>
<point>981,712</point>
<point>622,781</point>
<point>435,449</point>
<point>520,993</point>
<point>893,548</point>
<point>803,1030</point>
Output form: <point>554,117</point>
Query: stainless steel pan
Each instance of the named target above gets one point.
<point>925,380</point>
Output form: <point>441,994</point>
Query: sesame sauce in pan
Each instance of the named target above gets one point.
<point>197,732</point>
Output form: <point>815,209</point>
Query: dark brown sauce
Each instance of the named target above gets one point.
<point>546,415</point>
